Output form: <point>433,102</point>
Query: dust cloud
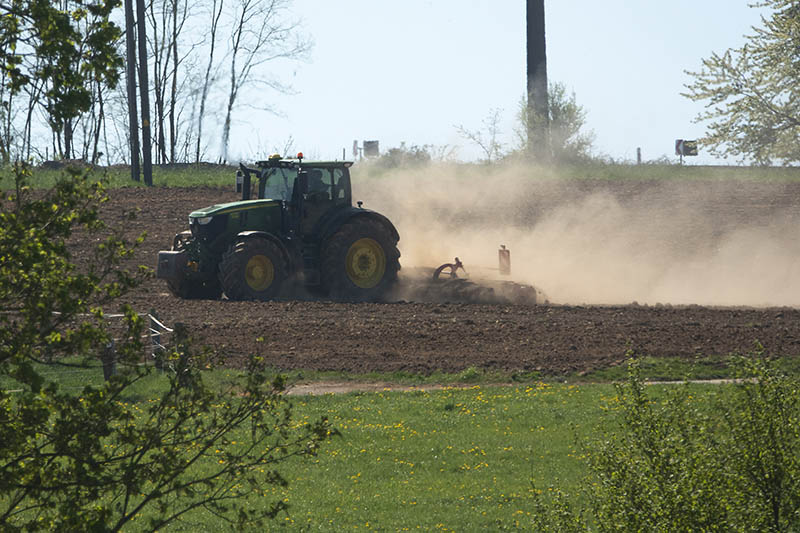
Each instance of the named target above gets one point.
<point>593,241</point>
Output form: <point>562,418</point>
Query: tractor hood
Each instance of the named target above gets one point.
<point>222,209</point>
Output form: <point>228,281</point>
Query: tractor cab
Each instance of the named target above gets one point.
<point>309,190</point>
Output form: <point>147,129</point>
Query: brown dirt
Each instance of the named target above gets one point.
<point>423,337</point>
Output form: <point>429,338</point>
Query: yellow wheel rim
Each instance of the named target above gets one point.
<point>365,263</point>
<point>259,272</point>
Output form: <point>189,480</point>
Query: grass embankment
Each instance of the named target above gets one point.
<point>81,372</point>
<point>208,174</point>
<point>182,175</point>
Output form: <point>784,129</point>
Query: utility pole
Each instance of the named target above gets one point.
<point>144,94</point>
<point>538,107</point>
<point>133,121</point>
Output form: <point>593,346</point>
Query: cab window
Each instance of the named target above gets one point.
<point>279,184</point>
<point>319,184</point>
<point>339,185</point>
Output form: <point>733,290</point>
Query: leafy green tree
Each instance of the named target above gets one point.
<point>58,53</point>
<point>752,93</point>
<point>569,141</point>
<point>98,459</point>
<point>404,157</point>
<point>730,462</point>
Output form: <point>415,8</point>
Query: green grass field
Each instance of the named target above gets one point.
<point>452,459</point>
<point>461,458</point>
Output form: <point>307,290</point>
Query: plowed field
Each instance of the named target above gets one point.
<point>424,337</point>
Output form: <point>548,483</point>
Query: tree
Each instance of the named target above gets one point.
<point>57,54</point>
<point>168,19</point>
<point>404,157</point>
<point>726,460</point>
<point>568,142</point>
<point>208,78</point>
<point>260,33</point>
<point>752,93</point>
<point>94,460</point>
<point>488,138</point>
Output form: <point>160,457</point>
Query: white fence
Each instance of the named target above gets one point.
<point>156,332</point>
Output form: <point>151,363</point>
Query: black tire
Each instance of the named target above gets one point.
<point>192,289</point>
<point>252,269</point>
<point>360,261</point>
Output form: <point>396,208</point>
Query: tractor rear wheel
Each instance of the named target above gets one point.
<point>252,269</point>
<point>360,261</point>
<point>193,289</point>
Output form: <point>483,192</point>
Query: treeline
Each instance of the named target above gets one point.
<point>62,85</point>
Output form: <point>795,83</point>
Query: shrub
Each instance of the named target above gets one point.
<point>728,463</point>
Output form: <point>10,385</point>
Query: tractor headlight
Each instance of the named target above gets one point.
<point>200,220</point>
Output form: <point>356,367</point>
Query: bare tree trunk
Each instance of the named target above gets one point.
<point>216,14</point>
<point>538,112</point>
<point>158,79</point>
<point>174,92</point>
<point>259,35</point>
<point>105,140</point>
<point>226,129</point>
<point>68,154</point>
<point>147,160</point>
<point>26,144</point>
<point>100,124</point>
<point>236,39</point>
<point>133,121</point>
<point>58,151</point>
<point>5,127</point>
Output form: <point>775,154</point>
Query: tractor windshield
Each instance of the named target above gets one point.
<point>279,184</point>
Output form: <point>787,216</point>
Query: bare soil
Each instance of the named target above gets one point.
<point>423,336</point>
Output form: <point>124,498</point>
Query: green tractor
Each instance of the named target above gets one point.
<point>300,229</point>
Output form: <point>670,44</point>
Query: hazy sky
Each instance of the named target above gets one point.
<point>412,70</point>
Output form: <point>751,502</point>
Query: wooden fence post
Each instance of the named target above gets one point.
<point>109,359</point>
<point>180,336</point>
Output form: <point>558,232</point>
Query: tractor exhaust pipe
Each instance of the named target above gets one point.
<point>243,181</point>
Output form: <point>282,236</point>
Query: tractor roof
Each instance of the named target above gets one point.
<point>294,163</point>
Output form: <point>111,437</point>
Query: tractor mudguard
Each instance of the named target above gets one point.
<point>254,234</point>
<point>327,226</point>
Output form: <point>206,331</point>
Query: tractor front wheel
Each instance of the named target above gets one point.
<point>252,269</point>
<point>192,289</point>
<point>360,261</point>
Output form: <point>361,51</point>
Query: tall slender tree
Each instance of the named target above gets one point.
<point>261,32</point>
<point>144,94</point>
<point>208,79</point>
<point>130,70</point>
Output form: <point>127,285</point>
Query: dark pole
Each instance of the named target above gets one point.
<point>538,114</point>
<point>133,121</point>
<point>144,94</point>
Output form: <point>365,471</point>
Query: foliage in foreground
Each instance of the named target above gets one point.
<point>683,466</point>
<point>93,460</point>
